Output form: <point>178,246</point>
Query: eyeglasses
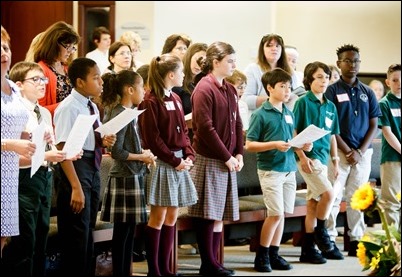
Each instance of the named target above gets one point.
<point>124,53</point>
<point>349,62</point>
<point>37,80</point>
<point>70,48</point>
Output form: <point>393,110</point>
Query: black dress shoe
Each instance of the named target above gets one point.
<point>213,271</point>
<point>231,272</point>
<point>353,248</point>
<point>279,263</point>
<point>139,257</point>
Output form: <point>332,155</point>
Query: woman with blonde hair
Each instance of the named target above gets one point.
<point>29,57</point>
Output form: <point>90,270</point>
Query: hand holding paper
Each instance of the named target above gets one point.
<point>310,134</point>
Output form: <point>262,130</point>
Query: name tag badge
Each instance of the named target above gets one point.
<point>179,106</point>
<point>396,112</point>
<point>343,97</point>
<point>170,106</point>
<point>288,119</point>
<point>328,122</point>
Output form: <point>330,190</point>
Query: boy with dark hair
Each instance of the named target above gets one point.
<point>358,111</point>
<point>315,108</point>
<point>78,192</point>
<point>271,127</point>
<point>101,39</point>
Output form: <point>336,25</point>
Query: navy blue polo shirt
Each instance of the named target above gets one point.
<point>356,105</point>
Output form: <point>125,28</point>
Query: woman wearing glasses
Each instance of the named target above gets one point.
<point>53,52</point>
<point>176,44</point>
<point>120,57</point>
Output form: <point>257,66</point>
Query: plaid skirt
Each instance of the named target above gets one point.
<point>168,187</point>
<point>124,200</point>
<point>217,190</point>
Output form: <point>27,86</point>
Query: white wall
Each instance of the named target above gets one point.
<point>242,24</point>
<point>142,12</point>
<point>315,28</point>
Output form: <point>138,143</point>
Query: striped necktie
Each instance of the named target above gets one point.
<point>48,147</point>
<point>98,139</point>
<point>38,115</point>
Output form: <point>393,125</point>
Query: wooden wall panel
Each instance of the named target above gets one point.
<point>23,20</point>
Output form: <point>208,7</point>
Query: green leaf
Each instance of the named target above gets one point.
<point>370,246</point>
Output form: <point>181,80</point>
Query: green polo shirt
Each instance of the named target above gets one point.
<point>390,106</point>
<point>309,110</point>
<point>269,124</point>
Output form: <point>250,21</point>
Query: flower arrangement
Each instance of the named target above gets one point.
<point>380,250</point>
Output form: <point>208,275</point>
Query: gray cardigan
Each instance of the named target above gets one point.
<point>127,141</point>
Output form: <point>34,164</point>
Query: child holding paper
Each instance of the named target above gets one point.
<point>78,192</point>
<point>271,127</point>
<point>124,203</point>
<point>24,255</point>
<point>315,108</point>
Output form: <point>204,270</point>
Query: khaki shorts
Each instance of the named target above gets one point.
<point>317,181</point>
<point>279,191</point>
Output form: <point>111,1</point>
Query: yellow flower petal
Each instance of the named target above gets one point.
<point>363,198</point>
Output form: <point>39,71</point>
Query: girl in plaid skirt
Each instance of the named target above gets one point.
<point>169,185</point>
<point>124,199</point>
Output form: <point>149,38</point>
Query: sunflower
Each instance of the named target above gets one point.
<point>364,198</point>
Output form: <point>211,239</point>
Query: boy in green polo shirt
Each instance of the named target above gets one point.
<point>271,127</point>
<point>390,123</point>
<point>315,108</point>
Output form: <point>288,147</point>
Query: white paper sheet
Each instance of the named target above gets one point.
<point>39,156</point>
<point>78,135</point>
<point>188,116</point>
<point>117,123</point>
<point>310,134</point>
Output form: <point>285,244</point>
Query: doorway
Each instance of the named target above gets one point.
<point>92,14</point>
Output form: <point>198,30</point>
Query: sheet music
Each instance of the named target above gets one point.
<point>117,123</point>
<point>310,134</point>
<point>188,116</point>
<point>78,135</point>
<point>39,156</point>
